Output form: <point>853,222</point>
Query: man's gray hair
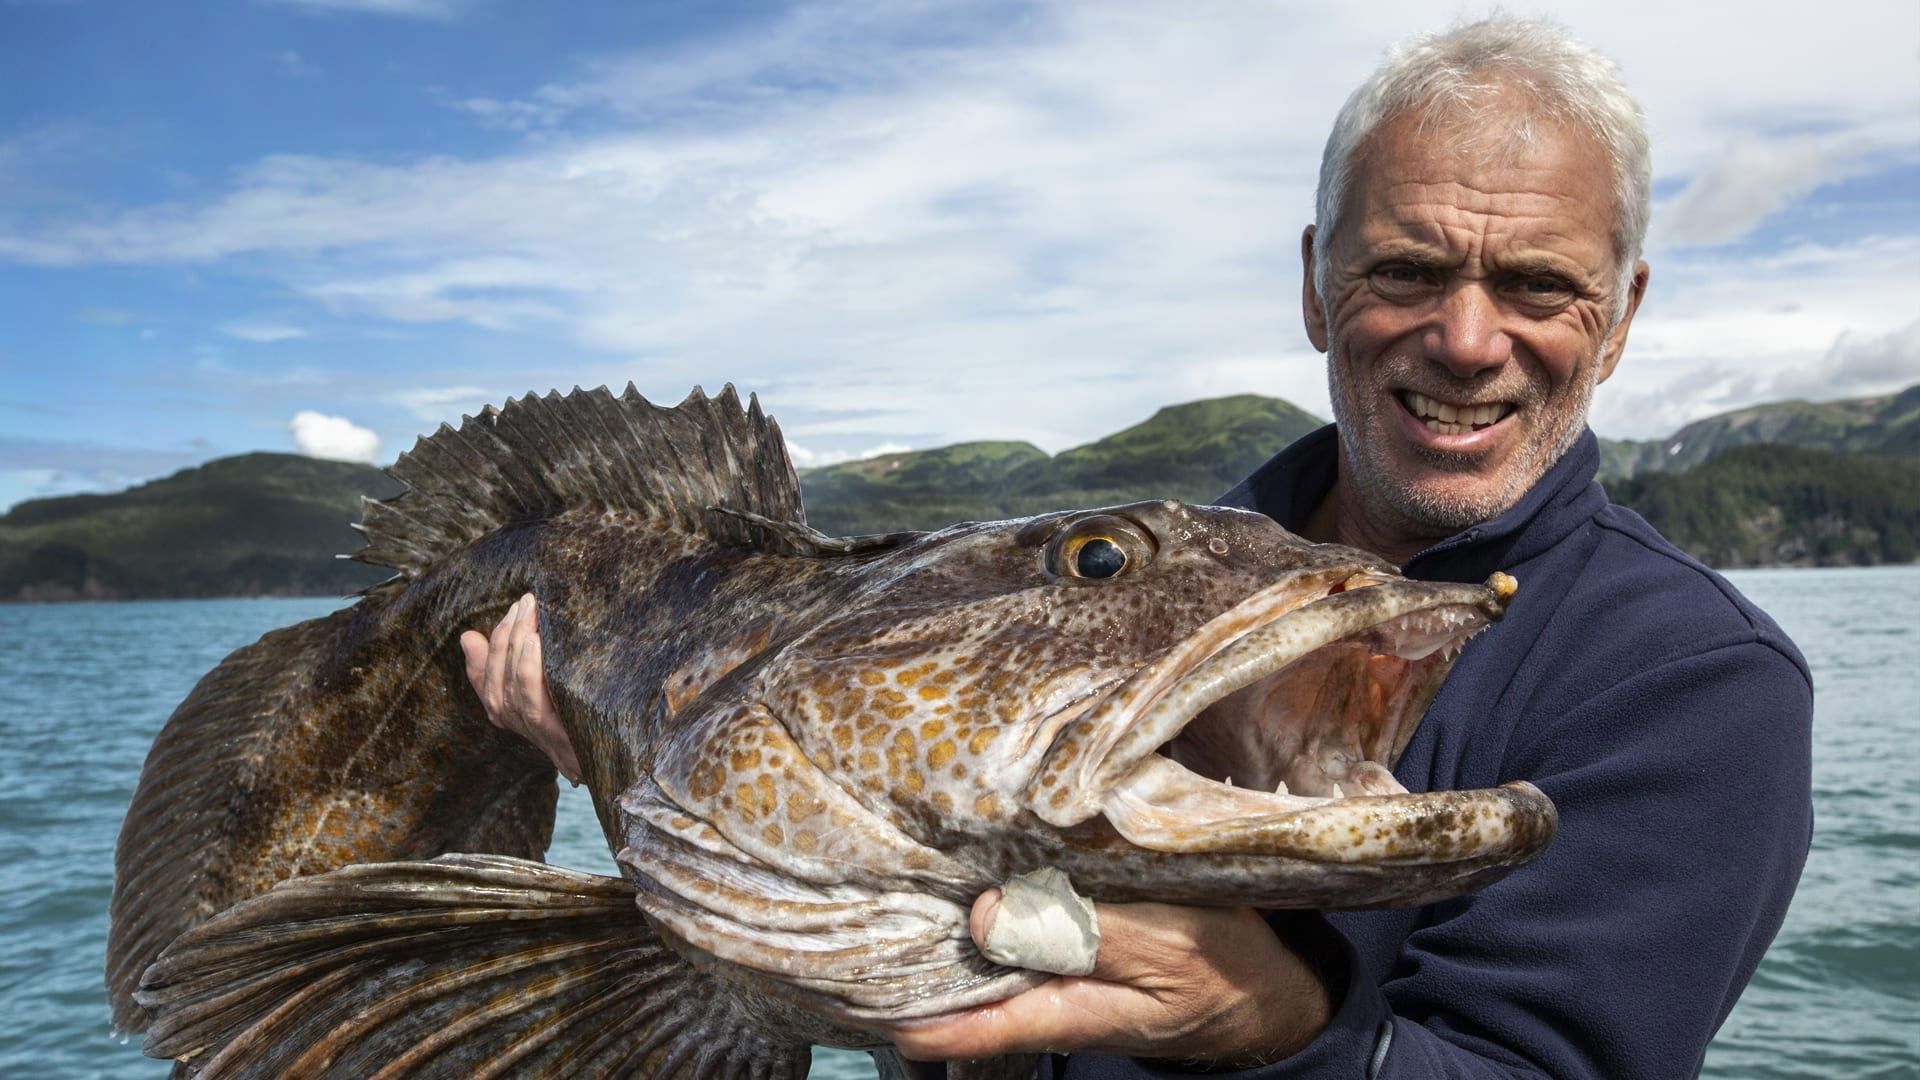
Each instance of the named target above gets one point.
<point>1463,70</point>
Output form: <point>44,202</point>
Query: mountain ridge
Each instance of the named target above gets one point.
<point>271,524</point>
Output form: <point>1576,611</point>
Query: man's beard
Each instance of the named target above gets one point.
<point>1419,509</point>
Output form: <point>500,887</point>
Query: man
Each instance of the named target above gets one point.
<point>1471,275</point>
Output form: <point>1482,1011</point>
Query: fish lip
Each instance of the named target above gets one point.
<point>1091,757</point>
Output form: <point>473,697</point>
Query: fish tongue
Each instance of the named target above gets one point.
<point>433,968</point>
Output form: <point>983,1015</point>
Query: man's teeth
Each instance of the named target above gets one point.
<point>1444,419</point>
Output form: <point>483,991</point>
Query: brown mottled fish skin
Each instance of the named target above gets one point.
<point>808,753</point>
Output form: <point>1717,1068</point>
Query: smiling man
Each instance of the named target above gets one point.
<point>1471,275</point>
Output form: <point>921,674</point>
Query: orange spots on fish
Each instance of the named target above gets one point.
<point>913,781</point>
<point>743,801</point>
<point>982,739</point>
<point>704,783</point>
<point>772,834</point>
<point>872,677</point>
<point>873,735</point>
<point>959,770</point>
<point>742,760</point>
<point>942,803</point>
<point>987,805</point>
<point>941,753</point>
<point>842,736</point>
<point>932,729</point>
<point>932,693</point>
<point>802,805</point>
<point>768,793</point>
<point>805,841</point>
<point>869,761</point>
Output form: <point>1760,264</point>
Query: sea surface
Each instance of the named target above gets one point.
<point>83,688</point>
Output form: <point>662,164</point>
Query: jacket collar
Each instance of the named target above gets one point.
<point>1291,483</point>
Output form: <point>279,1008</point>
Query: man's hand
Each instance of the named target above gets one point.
<point>505,671</point>
<point>1178,983</point>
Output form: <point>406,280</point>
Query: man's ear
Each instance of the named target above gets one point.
<point>1617,337</point>
<point>1310,305</point>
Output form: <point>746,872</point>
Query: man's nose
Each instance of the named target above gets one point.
<point>1466,336</point>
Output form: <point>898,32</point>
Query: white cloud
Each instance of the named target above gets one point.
<point>1037,229</point>
<point>264,333</point>
<point>1752,181</point>
<point>445,404</point>
<point>333,437</point>
<point>1725,332</point>
<point>807,459</point>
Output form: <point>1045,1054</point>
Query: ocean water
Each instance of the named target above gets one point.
<point>83,688</point>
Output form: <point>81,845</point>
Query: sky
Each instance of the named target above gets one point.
<point>327,226</point>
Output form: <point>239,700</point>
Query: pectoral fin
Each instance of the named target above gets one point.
<point>468,965</point>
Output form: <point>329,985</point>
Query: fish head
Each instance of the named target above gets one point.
<point>1161,677</point>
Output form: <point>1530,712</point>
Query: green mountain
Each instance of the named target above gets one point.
<point>966,481</point>
<point>1193,451</point>
<point>1774,505</point>
<point>257,524</point>
<point>1887,425</point>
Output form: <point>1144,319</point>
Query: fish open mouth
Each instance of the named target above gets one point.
<point>1273,731</point>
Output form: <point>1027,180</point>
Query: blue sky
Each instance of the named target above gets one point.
<point>328,225</point>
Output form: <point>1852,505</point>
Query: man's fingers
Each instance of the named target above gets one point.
<point>473,647</point>
<point>495,690</point>
<point>1033,1021</point>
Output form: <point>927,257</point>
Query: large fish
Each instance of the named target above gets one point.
<point>808,753</point>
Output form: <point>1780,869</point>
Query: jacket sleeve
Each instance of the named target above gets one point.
<point>1685,817</point>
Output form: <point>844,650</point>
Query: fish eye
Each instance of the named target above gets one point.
<point>1099,547</point>
<point>1098,557</point>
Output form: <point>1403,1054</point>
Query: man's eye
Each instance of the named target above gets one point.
<point>1545,290</point>
<point>1401,279</point>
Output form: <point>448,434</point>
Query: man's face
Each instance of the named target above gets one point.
<point>1467,320</point>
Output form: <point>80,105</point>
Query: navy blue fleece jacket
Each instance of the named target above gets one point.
<point>1668,719</point>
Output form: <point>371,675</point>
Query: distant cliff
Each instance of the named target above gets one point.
<point>1785,484</point>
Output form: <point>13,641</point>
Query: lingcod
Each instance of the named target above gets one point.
<point>808,755</point>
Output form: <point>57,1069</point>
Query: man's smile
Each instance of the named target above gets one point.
<point>1452,417</point>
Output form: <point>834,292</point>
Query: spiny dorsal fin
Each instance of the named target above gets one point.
<point>540,456</point>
